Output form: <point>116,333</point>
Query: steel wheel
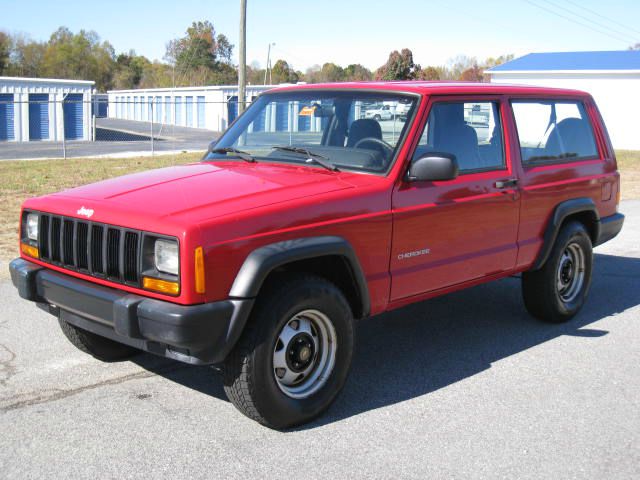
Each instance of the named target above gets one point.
<point>571,272</point>
<point>304,354</point>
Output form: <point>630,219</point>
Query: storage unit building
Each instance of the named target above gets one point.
<point>212,107</point>
<point>33,109</point>
<point>612,78</point>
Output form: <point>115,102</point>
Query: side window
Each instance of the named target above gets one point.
<point>471,131</point>
<point>553,131</point>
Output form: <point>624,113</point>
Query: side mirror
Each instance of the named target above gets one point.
<point>433,167</point>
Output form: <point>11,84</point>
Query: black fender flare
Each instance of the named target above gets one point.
<point>560,213</point>
<point>265,259</point>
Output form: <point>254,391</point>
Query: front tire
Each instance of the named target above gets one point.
<point>99,347</point>
<point>557,291</point>
<point>294,356</point>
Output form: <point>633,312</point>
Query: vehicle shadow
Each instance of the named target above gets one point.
<point>421,348</point>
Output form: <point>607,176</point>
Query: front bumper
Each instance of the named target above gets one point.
<point>196,334</point>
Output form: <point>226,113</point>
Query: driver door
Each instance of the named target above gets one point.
<point>447,233</point>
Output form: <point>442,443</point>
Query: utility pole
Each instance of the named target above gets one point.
<point>242,68</point>
<point>268,62</point>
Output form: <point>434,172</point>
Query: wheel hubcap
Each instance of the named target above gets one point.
<point>570,276</point>
<point>300,352</point>
<point>304,354</point>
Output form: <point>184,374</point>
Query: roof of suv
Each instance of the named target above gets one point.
<point>435,88</point>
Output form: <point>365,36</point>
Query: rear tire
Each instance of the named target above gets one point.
<point>99,347</point>
<point>294,355</point>
<point>557,291</point>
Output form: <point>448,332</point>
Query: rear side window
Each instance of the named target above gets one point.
<point>553,131</point>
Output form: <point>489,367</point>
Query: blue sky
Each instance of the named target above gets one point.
<point>346,31</point>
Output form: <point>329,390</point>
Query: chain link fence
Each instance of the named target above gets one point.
<point>71,128</point>
<point>126,125</point>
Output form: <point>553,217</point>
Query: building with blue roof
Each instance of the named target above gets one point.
<point>611,77</point>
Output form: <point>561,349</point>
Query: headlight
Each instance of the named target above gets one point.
<point>165,254</point>
<point>32,226</point>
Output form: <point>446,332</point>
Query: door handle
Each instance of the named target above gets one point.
<point>501,184</point>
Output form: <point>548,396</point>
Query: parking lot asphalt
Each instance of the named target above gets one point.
<point>463,386</point>
<point>115,137</point>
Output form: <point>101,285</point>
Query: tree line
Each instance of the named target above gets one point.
<point>200,57</point>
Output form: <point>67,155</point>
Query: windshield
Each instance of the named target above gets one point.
<point>345,130</point>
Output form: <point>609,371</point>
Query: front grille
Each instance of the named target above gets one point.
<point>95,249</point>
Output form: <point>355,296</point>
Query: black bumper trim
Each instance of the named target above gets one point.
<point>609,228</point>
<point>196,334</point>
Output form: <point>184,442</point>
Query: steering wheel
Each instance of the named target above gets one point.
<point>378,141</point>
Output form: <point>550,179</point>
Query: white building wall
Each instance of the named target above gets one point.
<point>21,88</point>
<point>215,98</point>
<point>617,97</point>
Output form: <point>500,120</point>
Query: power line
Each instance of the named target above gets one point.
<point>606,27</point>
<point>598,14</point>
<point>572,20</point>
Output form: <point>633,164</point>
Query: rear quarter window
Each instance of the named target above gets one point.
<point>553,131</point>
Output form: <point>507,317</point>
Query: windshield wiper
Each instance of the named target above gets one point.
<point>247,157</point>
<point>311,157</point>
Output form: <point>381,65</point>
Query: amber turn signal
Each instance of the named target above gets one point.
<point>29,250</point>
<point>199,270</point>
<point>162,286</point>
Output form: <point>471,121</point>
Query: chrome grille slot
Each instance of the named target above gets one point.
<point>131,256</point>
<point>82,245</point>
<point>55,239</point>
<point>43,242</point>
<point>97,266</point>
<point>67,243</point>
<point>91,248</point>
<point>113,253</point>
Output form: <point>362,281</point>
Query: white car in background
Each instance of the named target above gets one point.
<point>381,112</point>
<point>402,110</point>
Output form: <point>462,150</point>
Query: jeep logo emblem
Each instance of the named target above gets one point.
<point>87,212</point>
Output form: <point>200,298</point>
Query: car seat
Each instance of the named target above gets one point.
<point>453,135</point>
<point>570,138</point>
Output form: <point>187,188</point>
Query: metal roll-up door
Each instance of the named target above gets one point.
<point>103,108</point>
<point>167,109</point>
<point>6,117</point>
<point>189,105</point>
<point>157,106</point>
<point>259,121</point>
<point>200,102</point>
<point>72,111</point>
<point>232,108</point>
<point>282,116</point>
<point>304,121</point>
<point>39,116</point>
<point>136,109</point>
<point>178,111</point>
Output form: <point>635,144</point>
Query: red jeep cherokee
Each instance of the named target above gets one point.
<point>307,214</point>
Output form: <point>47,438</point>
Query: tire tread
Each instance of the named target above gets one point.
<point>98,347</point>
<point>239,384</point>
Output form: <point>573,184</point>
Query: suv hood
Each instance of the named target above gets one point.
<point>201,190</point>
